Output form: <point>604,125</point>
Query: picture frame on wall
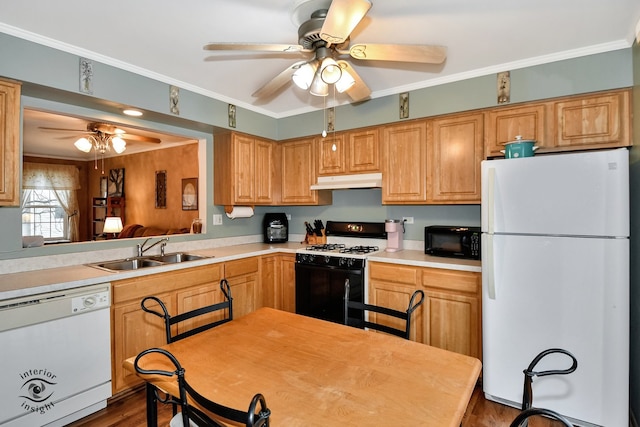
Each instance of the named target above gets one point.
<point>103,187</point>
<point>161,189</point>
<point>190,194</point>
<point>116,183</point>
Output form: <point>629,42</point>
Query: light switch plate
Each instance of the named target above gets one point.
<point>217,219</point>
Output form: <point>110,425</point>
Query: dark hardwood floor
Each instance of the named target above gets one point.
<point>129,411</point>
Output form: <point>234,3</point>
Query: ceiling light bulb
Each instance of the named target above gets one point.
<point>83,144</point>
<point>330,71</point>
<point>118,144</point>
<point>303,77</point>
<point>345,82</point>
<point>318,87</point>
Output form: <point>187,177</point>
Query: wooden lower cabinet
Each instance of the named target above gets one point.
<point>277,282</point>
<point>450,317</point>
<point>134,330</point>
<point>242,275</point>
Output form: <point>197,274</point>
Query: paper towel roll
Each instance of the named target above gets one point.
<point>240,212</point>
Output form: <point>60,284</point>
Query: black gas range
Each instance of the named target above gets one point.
<point>322,270</point>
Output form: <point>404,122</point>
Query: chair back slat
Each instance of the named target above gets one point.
<point>362,322</point>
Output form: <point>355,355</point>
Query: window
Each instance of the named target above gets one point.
<point>49,201</point>
<point>42,215</point>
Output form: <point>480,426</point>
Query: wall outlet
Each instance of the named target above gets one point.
<point>407,219</point>
<point>288,217</point>
<point>217,219</point>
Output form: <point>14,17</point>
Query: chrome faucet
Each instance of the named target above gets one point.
<point>141,249</point>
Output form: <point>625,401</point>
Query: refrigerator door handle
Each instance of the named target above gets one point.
<point>488,266</point>
<point>491,185</point>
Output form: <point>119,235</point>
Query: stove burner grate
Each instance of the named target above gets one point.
<point>327,247</point>
<point>359,250</point>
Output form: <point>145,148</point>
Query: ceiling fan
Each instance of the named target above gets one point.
<point>102,136</point>
<point>325,37</point>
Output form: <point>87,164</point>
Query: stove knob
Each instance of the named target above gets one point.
<point>327,259</point>
<point>342,262</point>
<point>350,262</point>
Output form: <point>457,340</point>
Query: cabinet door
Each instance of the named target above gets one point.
<point>9,143</point>
<point>242,276</point>
<point>364,151</point>
<point>288,283</point>
<point>593,121</point>
<point>299,172</point>
<point>504,124</point>
<point>404,163</point>
<point>269,289</point>
<point>198,297</point>
<point>452,310</point>
<point>244,160</point>
<point>264,181</point>
<point>133,331</point>
<point>455,153</point>
<point>332,155</point>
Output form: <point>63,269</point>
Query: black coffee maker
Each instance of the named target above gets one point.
<point>276,228</point>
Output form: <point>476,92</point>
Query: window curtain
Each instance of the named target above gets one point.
<point>64,181</point>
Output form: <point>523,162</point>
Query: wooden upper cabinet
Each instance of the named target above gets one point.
<point>404,160</point>
<point>332,155</point>
<point>299,172</point>
<point>454,156</point>
<point>243,170</point>
<point>593,121</point>
<point>349,152</point>
<point>9,143</point>
<point>363,151</point>
<point>505,124</point>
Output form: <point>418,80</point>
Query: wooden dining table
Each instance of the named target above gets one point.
<point>318,373</point>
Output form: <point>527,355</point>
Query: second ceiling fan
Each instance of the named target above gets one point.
<point>325,37</point>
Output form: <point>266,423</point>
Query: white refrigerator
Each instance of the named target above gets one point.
<point>555,274</point>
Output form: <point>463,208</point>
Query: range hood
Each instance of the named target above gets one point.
<point>341,182</point>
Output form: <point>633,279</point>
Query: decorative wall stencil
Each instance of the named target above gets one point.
<point>116,183</point>
<point>232,116</point>
<point>174,98</point>
<point>404,105</point>
<point>86,76</point>
<point>161,189</point>
<point>331,119</point>
<point>190,194</point>
<point>504,87</point>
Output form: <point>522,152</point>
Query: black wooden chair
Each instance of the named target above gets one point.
<point>169,321</point>
<point>195,408</point>
<point>527,394</point>
<point>528,413</point>
<point>361,321</point>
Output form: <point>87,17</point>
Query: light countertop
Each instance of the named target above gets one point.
<point>28,283</point>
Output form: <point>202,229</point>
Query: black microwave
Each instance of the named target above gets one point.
<point>452,241</point>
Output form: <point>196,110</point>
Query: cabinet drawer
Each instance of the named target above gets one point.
<point>241,267</point>
<point>394,273</point>
<point>154,284</point>
<point>461,281</point>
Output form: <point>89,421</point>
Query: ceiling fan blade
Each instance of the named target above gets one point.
<point>141,138</point>
<point>64,130</point>
<point>343,16</point>
<point>359,91</point>
<point>256,47</point>
<point>278,81</point>
<point>398,52</point>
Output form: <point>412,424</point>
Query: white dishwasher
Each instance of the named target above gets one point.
<point>55,356</point>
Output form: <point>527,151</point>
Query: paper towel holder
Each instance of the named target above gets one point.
<point>229,208</point>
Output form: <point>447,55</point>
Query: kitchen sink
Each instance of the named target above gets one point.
<point>176,257</point>
<point>146,261</point>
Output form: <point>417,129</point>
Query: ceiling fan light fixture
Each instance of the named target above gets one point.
<point>303,77</point>
<point>83,144</point>
<point>118,144</point>
<point>330,71</point>
<point>345,82</point>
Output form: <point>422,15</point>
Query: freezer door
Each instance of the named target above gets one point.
<point>581,194</point>
<point>571,293</point>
